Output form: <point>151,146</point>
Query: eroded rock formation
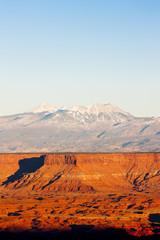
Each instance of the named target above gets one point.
<point>57,191</point>
<point>72,172</point>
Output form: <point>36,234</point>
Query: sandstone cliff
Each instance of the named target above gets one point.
<point>81,171</point>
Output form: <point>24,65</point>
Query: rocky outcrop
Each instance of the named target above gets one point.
<point>59,159</point>
<point>44,192</point>
<point>71,171</point>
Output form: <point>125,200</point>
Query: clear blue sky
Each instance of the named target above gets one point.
<point>69,52</point>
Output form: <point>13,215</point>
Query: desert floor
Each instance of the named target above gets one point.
<point>84,200</point>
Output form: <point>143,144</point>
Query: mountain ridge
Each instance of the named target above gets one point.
<point>91,109</point>
<point>93,128</point>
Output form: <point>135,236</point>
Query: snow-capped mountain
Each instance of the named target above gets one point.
<point>104,113</point>
<point>96,108</point>
<point>99,127</point>
<point>45,107</point>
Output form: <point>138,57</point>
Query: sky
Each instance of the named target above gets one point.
<point>78,52</point>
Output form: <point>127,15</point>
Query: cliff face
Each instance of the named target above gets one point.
<point>58,191</point>
<point>81,172</point>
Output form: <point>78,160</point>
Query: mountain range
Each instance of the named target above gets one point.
<point>95,128</point>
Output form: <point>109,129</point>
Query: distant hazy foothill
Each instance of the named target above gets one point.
<point>96,128</point>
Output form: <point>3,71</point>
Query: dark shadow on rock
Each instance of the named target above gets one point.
<point>81,228</point>
<point>27,165</point>
<point>155,222</point>
<point>81,232</point>
<point>55,178</point>
<point>155,217</point>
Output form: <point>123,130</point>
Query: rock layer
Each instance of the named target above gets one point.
<point>44,192</point>
<point>100,172</point>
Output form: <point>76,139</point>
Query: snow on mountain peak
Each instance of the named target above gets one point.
<point>112,107</point>
<point>109,108</point>
<point>44,107</point>
<point>95,109</point>
<point>79,108</point>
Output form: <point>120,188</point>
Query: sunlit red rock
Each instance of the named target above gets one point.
<point>43,192</point>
